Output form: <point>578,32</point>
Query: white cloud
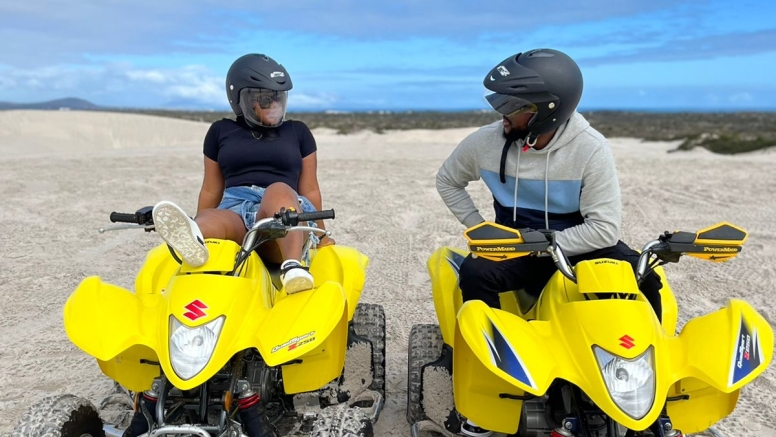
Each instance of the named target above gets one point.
<point>310,101</point>
<point>117,84</point>
<point>189,83</point>
<point>741,98</point>
<point>151,76</point>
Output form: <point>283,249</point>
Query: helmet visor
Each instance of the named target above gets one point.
<point>263,107</point>
<point>508,105</point>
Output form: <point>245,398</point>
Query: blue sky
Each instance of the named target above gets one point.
<point>395,55</point>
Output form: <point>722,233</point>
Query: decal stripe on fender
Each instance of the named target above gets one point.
<point>504,356</point>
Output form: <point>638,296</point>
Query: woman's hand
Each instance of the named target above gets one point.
<point>326,241</point>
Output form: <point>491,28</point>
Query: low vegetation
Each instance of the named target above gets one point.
<point>728,133</point>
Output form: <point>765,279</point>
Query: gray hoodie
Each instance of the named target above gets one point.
<point>570,185</point>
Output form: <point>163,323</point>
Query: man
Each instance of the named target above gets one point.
<point>547,168</point>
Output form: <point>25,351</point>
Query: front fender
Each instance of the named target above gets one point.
<point>490,374</point>
<point>343,265</point>
<point>500,357</point>
<point>307,333</point>
<point>443,267</point>
<point>729,347</point>
<point>109,323</point>
<point>718,354</point>
<point>298,322</point>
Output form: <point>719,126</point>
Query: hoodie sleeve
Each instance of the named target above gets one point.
<point>460,168</point>
<point>600,205</point>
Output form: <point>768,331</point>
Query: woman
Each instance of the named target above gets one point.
<point>254,166</point>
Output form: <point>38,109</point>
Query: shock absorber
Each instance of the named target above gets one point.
<point>567,429</point>
<point>145,411</point>
<point>252,415</point>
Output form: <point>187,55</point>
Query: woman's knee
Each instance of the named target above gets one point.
<point>279,189</point>
<point>221,223</point>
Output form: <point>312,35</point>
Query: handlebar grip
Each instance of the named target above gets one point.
<point>317,215</point>
<point>123,217</point>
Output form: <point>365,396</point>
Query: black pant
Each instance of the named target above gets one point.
<point>484,279</point>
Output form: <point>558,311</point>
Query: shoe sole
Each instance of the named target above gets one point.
<point>295,285</point>
<point>174,227</point>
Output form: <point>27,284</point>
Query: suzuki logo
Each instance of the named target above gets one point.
<point>626,341</point>
<point>195,310</point>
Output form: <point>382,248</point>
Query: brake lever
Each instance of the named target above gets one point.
<point>147,228</point>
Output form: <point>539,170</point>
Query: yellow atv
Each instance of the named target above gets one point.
<point>222,350</point>
<point>589,356</point>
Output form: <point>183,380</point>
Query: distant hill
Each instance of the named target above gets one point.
<point>66,103</point>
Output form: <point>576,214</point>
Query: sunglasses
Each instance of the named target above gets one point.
<point>263,97</point>
<point>522,110</point>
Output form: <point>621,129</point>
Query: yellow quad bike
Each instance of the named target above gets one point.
<point>222,350</point>
<point>589,357</point>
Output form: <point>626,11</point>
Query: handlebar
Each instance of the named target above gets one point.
<point>499,244</point>
<point>278,226</point>
<point>290,217</point>
<point>123,218</point>
<point>140,219</point>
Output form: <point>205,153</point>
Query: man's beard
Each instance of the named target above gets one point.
<point>515,134</point>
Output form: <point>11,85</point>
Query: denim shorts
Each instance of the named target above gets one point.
<point>245,202</point>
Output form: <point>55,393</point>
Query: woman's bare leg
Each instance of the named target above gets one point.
<point>287,250</point>
<point>277,196</point>
<point>222,224</point>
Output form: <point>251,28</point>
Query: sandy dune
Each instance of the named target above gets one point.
<point>62,173</point>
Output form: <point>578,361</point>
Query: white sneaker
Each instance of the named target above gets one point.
<point>295,277</point>
<point>471,429</point>
<point>180,232</point>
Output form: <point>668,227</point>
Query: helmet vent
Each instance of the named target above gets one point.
<point>256,78</point>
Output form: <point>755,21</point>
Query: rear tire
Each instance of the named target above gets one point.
<point>425,346</point>
<point>342,421</point>
<point>60,416</point>
<point>369,322</point>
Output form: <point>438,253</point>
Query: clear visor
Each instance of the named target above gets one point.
<point>262,107</point>
<point>507,105</point>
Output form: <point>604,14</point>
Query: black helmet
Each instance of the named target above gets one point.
<point>247,76</point>
<point>545,78</point>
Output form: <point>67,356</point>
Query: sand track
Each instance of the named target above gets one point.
<point>62,173</point>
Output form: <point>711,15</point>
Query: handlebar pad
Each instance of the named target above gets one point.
<point>317,215</point>
<point>123,217</point>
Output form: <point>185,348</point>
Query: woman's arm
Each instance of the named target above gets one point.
<point>309,188</point>
<point>212,186</point>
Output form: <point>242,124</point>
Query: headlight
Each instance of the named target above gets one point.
<point>191,348</point>
<point>631,383</point>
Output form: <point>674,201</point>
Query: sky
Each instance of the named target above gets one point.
<point>388,55</point>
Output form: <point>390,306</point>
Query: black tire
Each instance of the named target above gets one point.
<point>60,416</point>
<point>425,346</point>
<point>369,322</point>
<point>342,421</point>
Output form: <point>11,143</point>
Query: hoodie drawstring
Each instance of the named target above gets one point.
<point>501,173</point>
<point>547,191</point>
<point>517,174</point>
<point>502,177</point>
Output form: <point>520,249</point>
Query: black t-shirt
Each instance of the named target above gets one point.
<point>259,157</point>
